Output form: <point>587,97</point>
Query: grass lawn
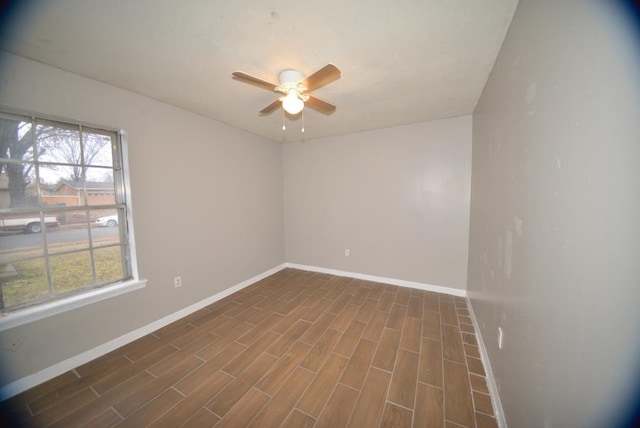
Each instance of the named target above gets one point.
<point>26,280</point>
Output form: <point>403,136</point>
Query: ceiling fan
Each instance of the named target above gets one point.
<point>295,89</point>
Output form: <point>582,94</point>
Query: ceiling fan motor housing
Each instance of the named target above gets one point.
<point>290,76</point>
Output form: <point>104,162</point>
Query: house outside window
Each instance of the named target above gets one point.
<point>63,211</point>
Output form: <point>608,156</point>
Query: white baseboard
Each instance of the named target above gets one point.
<point>491,381</point>
<point>27,382</point>
<point>398,282</point>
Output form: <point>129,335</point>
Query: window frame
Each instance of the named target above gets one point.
<point>96,292</point>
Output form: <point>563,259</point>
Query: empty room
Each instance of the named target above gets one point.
<point>286,214</point>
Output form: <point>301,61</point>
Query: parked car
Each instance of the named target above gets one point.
<point>109,220</point>
<point>28,224</point>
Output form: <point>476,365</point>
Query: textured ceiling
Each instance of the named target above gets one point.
<point>402,61</point>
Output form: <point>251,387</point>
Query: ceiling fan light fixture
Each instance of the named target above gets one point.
<point>292,103</point>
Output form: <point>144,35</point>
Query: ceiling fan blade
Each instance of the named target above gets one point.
<point>326,74</point>
<point>271,107</point>
<point>321,106</point>
<point>247,78</point>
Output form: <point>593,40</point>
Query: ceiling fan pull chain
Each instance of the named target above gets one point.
<point>284,128</point>
<point>303,121</point>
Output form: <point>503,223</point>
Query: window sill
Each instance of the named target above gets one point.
<point>28,315</point>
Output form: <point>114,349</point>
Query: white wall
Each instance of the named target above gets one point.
<point>397,198</point>
<point>555,237</point>
<point>207,202</point>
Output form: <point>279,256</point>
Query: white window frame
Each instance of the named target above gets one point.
<point>44,310</point>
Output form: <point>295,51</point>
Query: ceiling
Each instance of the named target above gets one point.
<point>402,61</point>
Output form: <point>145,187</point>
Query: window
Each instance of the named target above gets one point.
<point>63,211</point>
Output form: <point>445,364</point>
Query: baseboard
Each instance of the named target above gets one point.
<point>491,380</point>
<point>27,382</point>
<point>373,278</point>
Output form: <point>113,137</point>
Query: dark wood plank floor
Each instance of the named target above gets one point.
<point>297,349</point>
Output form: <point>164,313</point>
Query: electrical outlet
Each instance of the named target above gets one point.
<point>346,252</point>
<point>177,282</point>
<point>500,337</point>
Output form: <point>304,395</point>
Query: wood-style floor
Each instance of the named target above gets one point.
<point>297,349</point>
